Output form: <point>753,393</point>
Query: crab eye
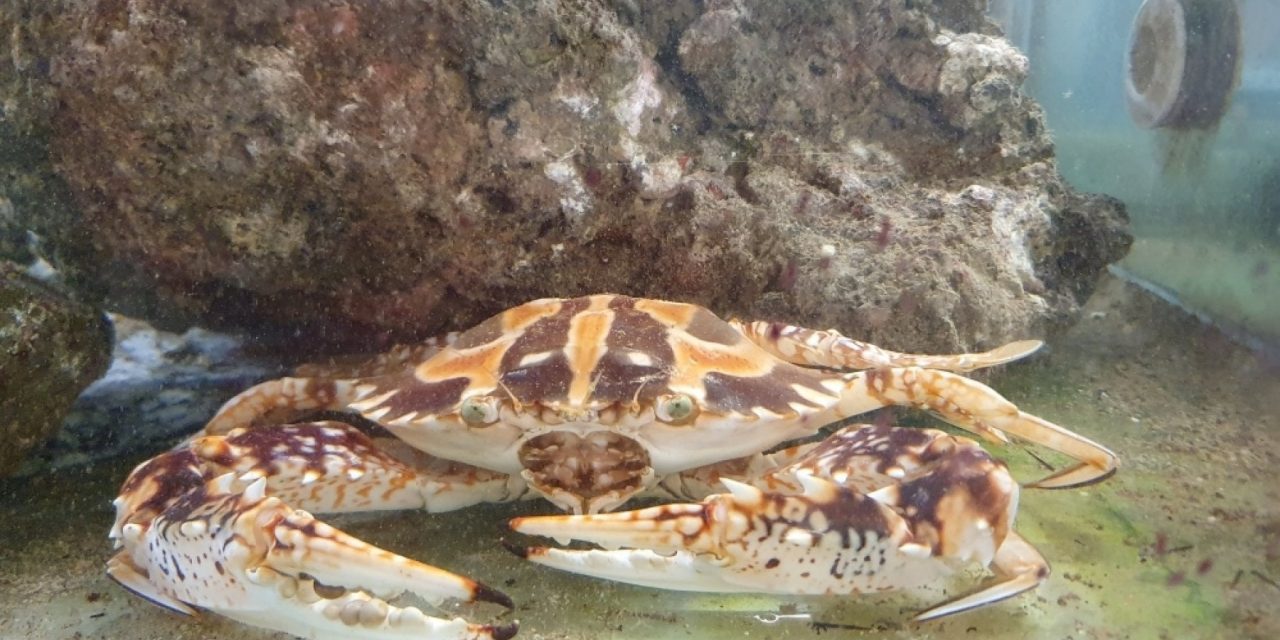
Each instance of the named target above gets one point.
<point>479,411</point>
<point>675,408</point>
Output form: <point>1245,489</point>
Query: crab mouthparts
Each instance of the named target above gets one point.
<point>585,474</point>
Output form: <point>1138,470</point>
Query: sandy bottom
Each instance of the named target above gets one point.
<point>1183,543</point>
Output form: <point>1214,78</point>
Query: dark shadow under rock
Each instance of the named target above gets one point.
<point>160,388</point>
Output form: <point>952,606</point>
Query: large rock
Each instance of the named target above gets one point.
<point>50,349</point>
<point>362,173</point>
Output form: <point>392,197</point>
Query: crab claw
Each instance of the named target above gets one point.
<point>828,539</point>
<point>824,539</point>
<point>228,548</point>
<point>670,546</point>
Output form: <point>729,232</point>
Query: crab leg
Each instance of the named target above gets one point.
<point>284,398</point>
<point>927,382</point>
<point>332,467</point>
<point>978,408</point>
<point>199,528</point>
<point>862,457</point>
<point>756,470</point>
<point>317,387</point>
<point>813,347</point>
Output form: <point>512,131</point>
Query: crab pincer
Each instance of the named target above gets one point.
<point>191,540</point>
<point>817,536</point>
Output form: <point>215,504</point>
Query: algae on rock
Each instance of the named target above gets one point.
<point>368,173</point>
<point>51,348</point>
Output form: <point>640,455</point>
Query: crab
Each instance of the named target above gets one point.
<point>589,403</point>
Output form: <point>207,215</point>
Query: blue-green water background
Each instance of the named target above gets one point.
<point>1205,206</point>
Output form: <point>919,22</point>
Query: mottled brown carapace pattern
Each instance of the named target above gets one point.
<point>598,352</point>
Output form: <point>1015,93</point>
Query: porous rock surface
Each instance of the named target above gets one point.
<point>51,348</point>
<point>356,174</point>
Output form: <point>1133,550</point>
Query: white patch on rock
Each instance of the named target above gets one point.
<point>41,270</point>
<point>660,179</point>
<point>972,56</point>
<point>982,74</point>
<point>978,193</point>
<point>576,202</point>
<point>578,101</point>
<point>639,95</point>
<point>1013,221</point>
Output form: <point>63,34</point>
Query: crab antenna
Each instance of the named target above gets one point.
<point>515,402</point>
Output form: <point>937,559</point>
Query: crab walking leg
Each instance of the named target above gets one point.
<point>198,528</point>
<point>316,387</point>
<point>813,347</point>
<point>978,408</point>
<point>862,457</point>
<point>285,397</point>
<point>755,470</point>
